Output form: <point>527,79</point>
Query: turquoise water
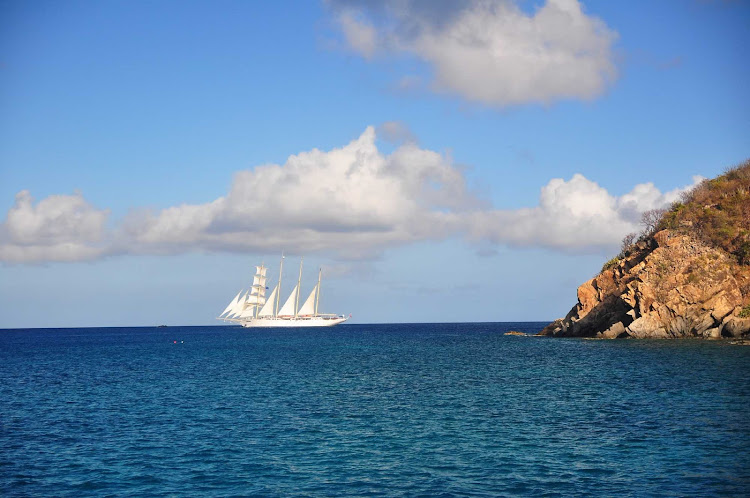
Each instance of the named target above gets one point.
<point>412,410</point>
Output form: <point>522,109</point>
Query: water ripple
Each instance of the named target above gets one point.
<point>409,410</point>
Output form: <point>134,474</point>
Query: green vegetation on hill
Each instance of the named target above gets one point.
<point>717,212</point>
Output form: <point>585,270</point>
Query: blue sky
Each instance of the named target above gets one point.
<point>441,161</point>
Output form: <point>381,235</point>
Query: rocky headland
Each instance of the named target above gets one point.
<point>688,275</point>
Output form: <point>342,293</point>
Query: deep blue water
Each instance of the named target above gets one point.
<point>414,410</point>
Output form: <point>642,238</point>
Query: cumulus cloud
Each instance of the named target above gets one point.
<point>646,196</point>
<point>489,51</point>
<point>58,228</point>
<point>577,214</point>
<point>359,34</point>
<point>395,132</point>
<point>351,202</point>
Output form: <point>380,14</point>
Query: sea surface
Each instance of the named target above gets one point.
<point>369,410</point>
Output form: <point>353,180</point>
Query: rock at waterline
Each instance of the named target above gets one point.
<point>672,286</point>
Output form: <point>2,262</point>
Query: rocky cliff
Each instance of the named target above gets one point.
<point>687,280</point>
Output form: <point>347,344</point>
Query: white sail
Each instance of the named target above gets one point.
<point>261,270</point>
<point>232,303</point>
<point>309,307</point>
<point>288,308</point>
<point>239,306</point>
<point>248,312</point>
<point>259,281</point>
<point>235,303</point>
<point>267,310</point>
<point>256,299</point>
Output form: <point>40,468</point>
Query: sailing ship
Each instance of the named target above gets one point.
<point>251,308</point>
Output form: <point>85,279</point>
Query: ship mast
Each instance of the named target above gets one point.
<point>259,288</point>
<point>317,294</point>
<point>281,268</point>
<point>299,281</point>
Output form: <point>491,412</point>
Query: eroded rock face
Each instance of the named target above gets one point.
<point>668,286</point>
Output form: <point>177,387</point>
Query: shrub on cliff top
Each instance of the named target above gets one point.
<point>610,264</point>
<point>717,211</point>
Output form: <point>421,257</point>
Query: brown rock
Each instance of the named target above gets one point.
<point>647,326</point>
<point>714,333</point>
<point>588,297</point>
<point>722,305</point>
<point>553,328</point>
<point>668,286</point>
<point>662,238</point>
<point>615,331</point>
<point>736,327</point>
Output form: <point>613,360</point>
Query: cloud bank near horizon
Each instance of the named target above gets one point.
<point>350,203</point>
<point>487,51</point>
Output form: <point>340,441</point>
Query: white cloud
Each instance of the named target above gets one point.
<point>646,196</point>
<point>351,202</point>
<point>359,35</point>
<point>395,132</point>
<point>577,214</point>
<point>58,228</point>
<point>490,51</point>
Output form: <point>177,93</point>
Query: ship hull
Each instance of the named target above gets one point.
<point>293,322</point>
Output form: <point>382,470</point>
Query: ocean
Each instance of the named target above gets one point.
<point>369,410</point>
